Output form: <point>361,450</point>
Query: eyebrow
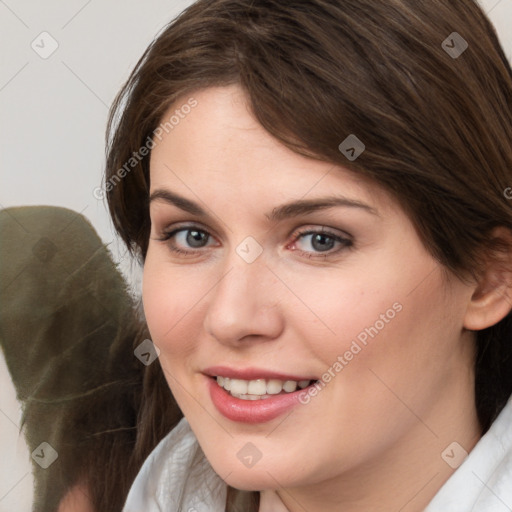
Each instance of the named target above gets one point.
<point>284,211</point>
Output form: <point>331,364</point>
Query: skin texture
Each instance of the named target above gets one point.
<point>76,500</point>
<point>383,421</point>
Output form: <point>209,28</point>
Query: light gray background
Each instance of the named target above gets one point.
<point>53,114</point>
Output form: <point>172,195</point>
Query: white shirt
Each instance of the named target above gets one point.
<point>176,477</point>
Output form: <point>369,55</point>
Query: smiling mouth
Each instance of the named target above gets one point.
<point>260,389</point>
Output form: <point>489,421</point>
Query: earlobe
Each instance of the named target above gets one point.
<point>492,297</point>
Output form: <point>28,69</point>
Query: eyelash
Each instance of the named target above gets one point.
<point>346,243</point>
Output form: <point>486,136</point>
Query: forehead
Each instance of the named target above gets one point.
<point>218,146</point>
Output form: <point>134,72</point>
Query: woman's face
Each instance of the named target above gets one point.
<point>269,280</point>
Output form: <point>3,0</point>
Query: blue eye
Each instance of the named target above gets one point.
<point>322,242</point>
<point>195,238</point>
<point>189,236</point>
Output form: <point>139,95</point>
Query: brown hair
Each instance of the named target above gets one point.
<point>437,127</point>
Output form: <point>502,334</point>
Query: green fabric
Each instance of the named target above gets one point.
<point>66,329</point>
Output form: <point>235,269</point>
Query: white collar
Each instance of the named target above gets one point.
<point>177,476</point>
<point>483,482</point>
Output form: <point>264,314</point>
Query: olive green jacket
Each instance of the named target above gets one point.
<point>67,330</point>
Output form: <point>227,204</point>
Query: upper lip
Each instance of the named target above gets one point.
<point>252,374</point>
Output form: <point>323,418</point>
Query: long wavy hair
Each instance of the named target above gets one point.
<point>433,109</point>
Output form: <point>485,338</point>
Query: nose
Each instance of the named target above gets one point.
<point>245,305</point>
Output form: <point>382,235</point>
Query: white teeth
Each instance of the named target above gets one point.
<point>274,386</point>
<point>259,388</point>
<point>290,386</point>
<point>239,387</point>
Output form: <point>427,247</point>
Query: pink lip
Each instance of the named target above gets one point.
<point>252,374</point>
<point>251,411</point>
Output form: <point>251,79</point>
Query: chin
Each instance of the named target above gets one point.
<point>252,480</point>
<point>270,474</point>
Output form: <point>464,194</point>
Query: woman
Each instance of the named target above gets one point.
<point>316,192</point>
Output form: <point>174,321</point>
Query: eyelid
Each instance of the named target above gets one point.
<point>179,226</point>
<point>167,233</point>
<point>319,229</point>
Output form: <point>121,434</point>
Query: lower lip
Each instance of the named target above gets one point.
<point>251,411</point>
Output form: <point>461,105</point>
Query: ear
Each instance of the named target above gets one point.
<point>492,298</point>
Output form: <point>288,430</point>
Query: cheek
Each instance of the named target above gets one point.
<point>171,299</point>
<point>404,348</point>
<point>332,308</point>
<point>397,322</point>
